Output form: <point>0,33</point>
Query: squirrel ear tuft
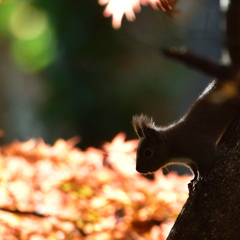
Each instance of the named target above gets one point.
<point>137,125</point>
<point>143,125</point>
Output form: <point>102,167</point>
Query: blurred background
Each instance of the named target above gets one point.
<point>64,71</point>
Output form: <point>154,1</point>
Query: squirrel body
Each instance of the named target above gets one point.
<point>192,140</point>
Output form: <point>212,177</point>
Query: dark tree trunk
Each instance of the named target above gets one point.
<point>213,210</point>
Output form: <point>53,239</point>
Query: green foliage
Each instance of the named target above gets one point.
<point>33,44</point>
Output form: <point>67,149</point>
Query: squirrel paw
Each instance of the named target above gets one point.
<point>191,186</point>
<point>200,184</point>
<point>196,184</point>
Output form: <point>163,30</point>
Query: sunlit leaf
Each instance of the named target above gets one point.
<point>118,8</point>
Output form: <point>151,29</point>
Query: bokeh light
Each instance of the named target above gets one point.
<point>33,44</point>
<point>35,54</point>
<point>27,22</point>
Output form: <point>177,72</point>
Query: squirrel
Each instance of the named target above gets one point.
<point>193,139</point>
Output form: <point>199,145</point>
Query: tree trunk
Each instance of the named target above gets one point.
<point>213,210</point>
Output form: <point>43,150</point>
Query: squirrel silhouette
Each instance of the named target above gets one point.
<point>193,139</point>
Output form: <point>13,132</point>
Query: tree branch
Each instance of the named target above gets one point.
<point>201,63</point>
<point>24,213</point>
<point>42,216</point>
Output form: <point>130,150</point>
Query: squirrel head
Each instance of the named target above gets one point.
<point>152,152</point>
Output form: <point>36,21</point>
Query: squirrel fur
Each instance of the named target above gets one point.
<point>192,140</point>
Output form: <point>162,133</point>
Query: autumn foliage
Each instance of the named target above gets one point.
<point>118,8</point>
<point>61,192</point>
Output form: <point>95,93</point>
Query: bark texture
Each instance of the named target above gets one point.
<point>213,211</point>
